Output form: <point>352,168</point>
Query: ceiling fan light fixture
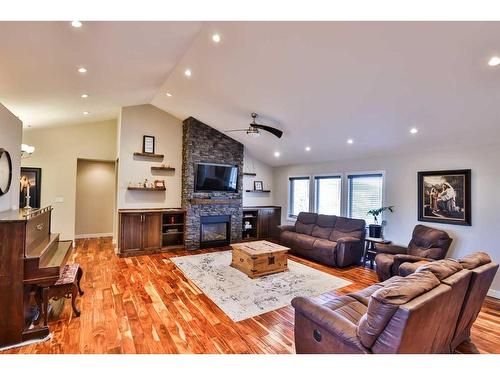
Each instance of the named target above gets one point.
<point>254,133</point>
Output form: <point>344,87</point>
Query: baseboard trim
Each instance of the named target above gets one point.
<point>92,235</point>
<point>494,293</point>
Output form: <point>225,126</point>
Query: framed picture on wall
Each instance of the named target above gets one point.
<point>148,144</point>
<point>445,196</point>
<point>258,185</point>
<point>31,178</point>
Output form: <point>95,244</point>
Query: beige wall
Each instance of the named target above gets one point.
<point>135,122</point>
<point>95,198</point>
<point>57,151</point>
<point>11,129</point>
<point>265,174</point>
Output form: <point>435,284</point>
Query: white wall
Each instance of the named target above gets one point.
<point>265,174</point>
<point>57,151</point>
<point>401,191</point>
<point>11,133</point>
<point>135,122</point>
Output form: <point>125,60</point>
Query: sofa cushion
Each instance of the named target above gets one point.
<point>324,226</point>
<point>364,295</point>
<point>407,268</point>
<point>441,268</point>
<point>474,260</point>
<point>304,242</point>
<point>385,301</point>
<point>345,227</point>
<point>305,222</point>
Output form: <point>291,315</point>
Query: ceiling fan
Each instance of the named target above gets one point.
<point>253,129</point>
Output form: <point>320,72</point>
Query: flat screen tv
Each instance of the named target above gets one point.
<point>216,177</point>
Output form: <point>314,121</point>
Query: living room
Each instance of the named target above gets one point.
<point>249,187</point>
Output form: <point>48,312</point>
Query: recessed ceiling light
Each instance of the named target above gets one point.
<point>82,70</point>
<point>84,96</point>
<point>350,141</point>
<point>308,148</point>
<point>86,113</point>
<point>277,154</point>
<point>216,38</point>
<point>187,73</point>
<point>169,94</point>
<point>413,130</point>
<point>494,61</point>
<point>76,24</point>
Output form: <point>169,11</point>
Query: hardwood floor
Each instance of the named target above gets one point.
<point>145,305</point>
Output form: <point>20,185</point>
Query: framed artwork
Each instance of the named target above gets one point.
<point>148,144</point>
<point>5,171</point>
<point>444,196</point>
<point>159,184</point>
<point>257,185</point>
<point>30,178</point>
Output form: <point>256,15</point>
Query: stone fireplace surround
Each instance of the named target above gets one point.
<point>203,144</point>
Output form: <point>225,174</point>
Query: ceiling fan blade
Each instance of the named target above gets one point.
<point>236,130</point>
<point>278,133</point>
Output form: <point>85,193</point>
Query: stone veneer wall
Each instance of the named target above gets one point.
<point>203,144</point>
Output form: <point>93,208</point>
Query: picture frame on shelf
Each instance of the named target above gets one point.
<point>148,144</point>
<point>445,196</point>
<point>258,185</point>
<point>159,184</point>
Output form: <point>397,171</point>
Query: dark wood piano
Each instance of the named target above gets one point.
<point>31,257</point>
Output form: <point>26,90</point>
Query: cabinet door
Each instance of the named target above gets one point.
<point>130,232</point>
<point>151,230</point>
<point>263,223</point>
<point>274,222</point>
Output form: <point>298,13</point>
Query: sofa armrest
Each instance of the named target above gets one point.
<point>289,228</point>
<point>341,329</point>
<point>390,249</point>
<point>348,239</point>
<point>399,259</point>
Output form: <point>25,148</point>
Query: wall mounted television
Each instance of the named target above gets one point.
<point>216,177</point>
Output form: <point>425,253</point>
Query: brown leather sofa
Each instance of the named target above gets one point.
<point>426,244</point>
<point>483,271</point>
<point>429,311</point>
<point>332,240</point>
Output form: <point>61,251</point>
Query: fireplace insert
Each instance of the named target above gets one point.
<point>215,231</point>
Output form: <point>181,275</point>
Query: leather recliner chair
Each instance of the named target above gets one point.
<point>483,271</point>
<point>332,240</point>
<point>386,317</point>
<point>426,244</point>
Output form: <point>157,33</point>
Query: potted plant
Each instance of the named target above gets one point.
<point>375,230</point>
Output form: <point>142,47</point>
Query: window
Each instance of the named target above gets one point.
<point>328,194</point>
<point>364,194</point>
<point>299,195</point>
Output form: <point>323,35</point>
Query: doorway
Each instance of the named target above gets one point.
<point>95,198</point>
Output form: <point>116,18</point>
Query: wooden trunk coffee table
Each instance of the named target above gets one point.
<point>259,258</point>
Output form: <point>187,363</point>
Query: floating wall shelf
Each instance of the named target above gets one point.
<point>147,155</point>
<point>258,191</point>
<point>249,174</point>
<point>165,169</point>
<point>145,188</point>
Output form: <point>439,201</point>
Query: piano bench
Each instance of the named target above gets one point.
<point>68,285</point>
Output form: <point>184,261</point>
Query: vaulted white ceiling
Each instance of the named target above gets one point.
<point>126,64</point>
<point>321,83</point>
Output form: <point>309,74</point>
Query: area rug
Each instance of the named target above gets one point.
<point>241,297</point>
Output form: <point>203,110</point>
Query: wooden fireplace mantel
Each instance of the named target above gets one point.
<point>204,201</point>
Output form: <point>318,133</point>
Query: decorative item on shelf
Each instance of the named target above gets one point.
<point>148,144</point>
<point>258,186</point>
<point>159,184</point>
<point>145,183</point>
<point>445,197</point>
<point>375,230</point>
<point>248,225</point>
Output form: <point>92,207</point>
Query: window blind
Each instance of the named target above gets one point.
<point>299,195</point>
<point>328,190</point>
<point>364,194</point>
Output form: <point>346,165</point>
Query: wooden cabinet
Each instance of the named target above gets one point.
<point>141,231</point>
<point>266,221</point>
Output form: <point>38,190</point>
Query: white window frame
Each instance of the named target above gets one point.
<point>312,192</point>
<point>345,188</point>
<point>289,195</point>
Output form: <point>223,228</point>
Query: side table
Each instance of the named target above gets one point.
<point>370,251</point>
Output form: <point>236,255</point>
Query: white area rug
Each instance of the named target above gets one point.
<point>241,297</point>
